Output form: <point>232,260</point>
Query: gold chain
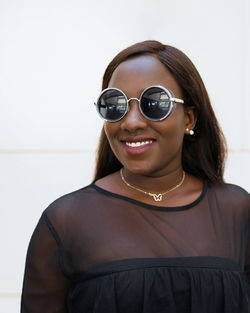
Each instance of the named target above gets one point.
<point>157,197</point>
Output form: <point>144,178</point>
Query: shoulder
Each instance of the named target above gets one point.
<point>72,196</point>
<point>231,194</point>
<point>231,189</point>
<point>68,206</point>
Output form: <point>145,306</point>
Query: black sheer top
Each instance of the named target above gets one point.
<point>94,251</point>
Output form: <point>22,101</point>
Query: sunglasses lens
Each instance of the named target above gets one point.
<point>112,105</point>
<point>155,103</point>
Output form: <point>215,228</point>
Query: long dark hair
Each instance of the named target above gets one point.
<point>203,154</point>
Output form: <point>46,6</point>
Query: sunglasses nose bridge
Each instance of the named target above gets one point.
<point>133,119</point>
<point>136,99</point>
<point>131,99</point>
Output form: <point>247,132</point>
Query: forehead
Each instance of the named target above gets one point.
<point>140,72</point>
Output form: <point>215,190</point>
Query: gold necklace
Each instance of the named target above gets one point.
<point>157,197</point>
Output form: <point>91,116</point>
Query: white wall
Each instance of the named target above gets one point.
<point>52,57</point>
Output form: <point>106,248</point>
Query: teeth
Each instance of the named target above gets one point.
<point>138,143</point>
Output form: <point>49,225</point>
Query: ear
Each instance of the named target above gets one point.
<point>190,118</point>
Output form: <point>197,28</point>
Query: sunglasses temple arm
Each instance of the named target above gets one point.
<point>177,100</point>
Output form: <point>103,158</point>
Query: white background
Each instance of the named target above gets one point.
<point>52,57</point>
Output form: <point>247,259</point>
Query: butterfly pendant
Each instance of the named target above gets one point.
<point>157,197</point>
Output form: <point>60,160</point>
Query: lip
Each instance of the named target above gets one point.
<point>137,150</point>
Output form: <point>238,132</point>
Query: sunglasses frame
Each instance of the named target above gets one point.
<point>172,100</point>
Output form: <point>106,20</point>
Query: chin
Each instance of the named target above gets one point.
<point>138,169</point>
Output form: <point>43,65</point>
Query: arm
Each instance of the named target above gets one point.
<point>45,287</point>
<point>247,259</point>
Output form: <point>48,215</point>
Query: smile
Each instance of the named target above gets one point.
<point>138,143</point>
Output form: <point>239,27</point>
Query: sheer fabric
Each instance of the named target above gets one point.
<point>94,252</point>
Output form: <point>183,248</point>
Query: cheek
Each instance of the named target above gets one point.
<point>107,129</point>
<point>110,130</point>
<point>175,122</point>
<point>173,129</point>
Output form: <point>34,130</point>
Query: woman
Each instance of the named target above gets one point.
<point>158,230</point>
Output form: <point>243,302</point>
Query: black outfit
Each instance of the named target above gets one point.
<point>94,251</point>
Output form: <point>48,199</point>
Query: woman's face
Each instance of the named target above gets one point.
<point>142,146</point>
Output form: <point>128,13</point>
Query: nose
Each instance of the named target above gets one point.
<point>133,120</point>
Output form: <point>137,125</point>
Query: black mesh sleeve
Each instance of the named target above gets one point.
<point>45,286</point>
<point>247,261</point>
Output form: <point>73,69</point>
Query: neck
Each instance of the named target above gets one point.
<point>154,183</point>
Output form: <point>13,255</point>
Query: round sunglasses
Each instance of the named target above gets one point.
<point>155,103</point>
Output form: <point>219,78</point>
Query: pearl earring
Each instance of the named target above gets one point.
<point>191,132</point>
